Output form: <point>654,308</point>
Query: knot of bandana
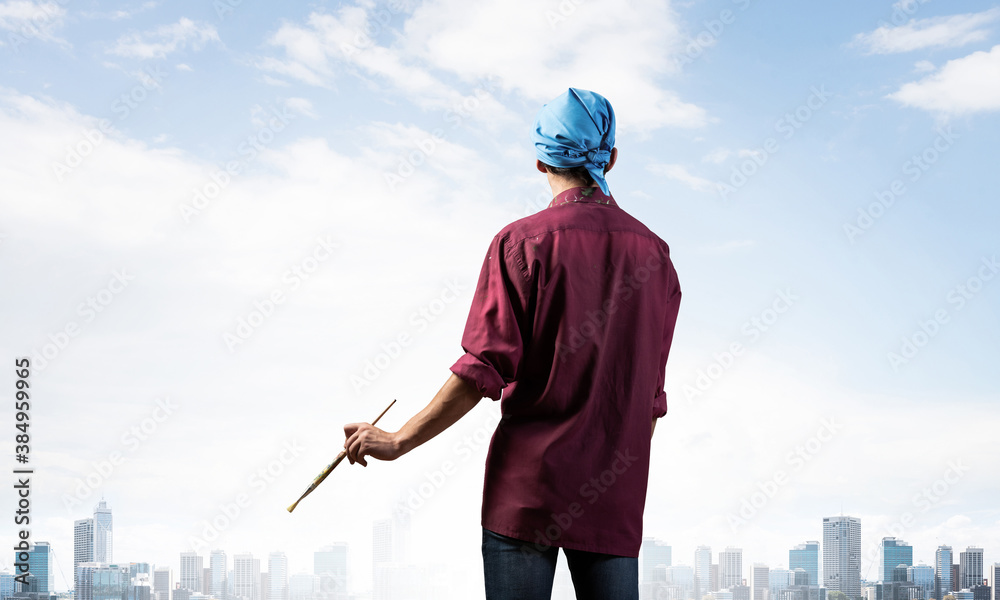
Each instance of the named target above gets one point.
<point>577,129</point>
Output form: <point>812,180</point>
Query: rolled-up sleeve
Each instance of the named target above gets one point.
<point>493,339</point>
<point>670,320</point>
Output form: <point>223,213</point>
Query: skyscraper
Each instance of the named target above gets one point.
<point>970,567</point>
<point>246,577</point>
<point>83,544</point>
<point>703,583</point>
<point>103,533</point>
<point>191,576</point>
<point>922,576</point>
<point>100,581</point>
<point>330,565</point>
<point>40,567</point>
<point>163,583</point>
<point>842,555</point>
<point>778,581</point>
<point>943,583</point>
<point>761,581</point>
<point>994,574</point>
<point>894,553</point>
<point>277,576</point>
<point>654,552</point>
<point>219,570</point>
<point>806,557</point>
<point>730,567</point>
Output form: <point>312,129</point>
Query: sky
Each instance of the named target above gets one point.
<point>229,228</point>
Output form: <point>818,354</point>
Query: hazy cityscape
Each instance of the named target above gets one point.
<point>816,570</point>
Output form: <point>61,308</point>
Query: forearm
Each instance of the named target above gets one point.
<point>455,398</point>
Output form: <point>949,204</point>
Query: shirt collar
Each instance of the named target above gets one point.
<point>583,194</point>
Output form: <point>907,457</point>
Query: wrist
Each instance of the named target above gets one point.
<point>401,443</point>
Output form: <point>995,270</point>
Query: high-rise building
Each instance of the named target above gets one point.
<point>246,577</point>
<point>778,581</point>
<point>806,557</point>
<point>943,583</point>
<point>922,576</point>
<point>654,553</point>
<point>303,586</point>
<point>40,567</point>
<point>994,576</point>
<point>761,582</point>
<point>390,541</point>
<point>163,583</point>
<point>277,576</point>
<point>842,555</point>
<point>218,567</point>
<point>191,576</point>
<point>894,553</point>
<point>103,534</point>
<point>970,567</point>
<point>330,565</point>
<point>101,581</point>
<point>703,571</point>
<point>681,577</point>
<point>7,585</point>
<point>83,544</point>
<point>730,567</point>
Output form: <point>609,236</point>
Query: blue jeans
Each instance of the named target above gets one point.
<point>516,570</point>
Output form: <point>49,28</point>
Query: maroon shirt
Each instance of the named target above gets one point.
<point>573,317</point>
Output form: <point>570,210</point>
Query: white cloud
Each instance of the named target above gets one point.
<point>540,49</point>
<point>681,174</point>
<point>26,20</point>
<point>301,106</point>
<point>964,85</point>
<point>617,51</point>
<point>328,44</point>
<point>166,39</point>
<point>717,156</point>
<point>936,32</point>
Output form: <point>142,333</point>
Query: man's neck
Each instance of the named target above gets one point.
<point>561,184</point>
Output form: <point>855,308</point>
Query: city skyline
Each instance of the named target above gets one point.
<point>192,572</point>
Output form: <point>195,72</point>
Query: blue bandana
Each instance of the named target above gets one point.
<point>577,129</point>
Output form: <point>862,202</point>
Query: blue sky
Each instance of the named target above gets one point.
<point>373,151</point>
